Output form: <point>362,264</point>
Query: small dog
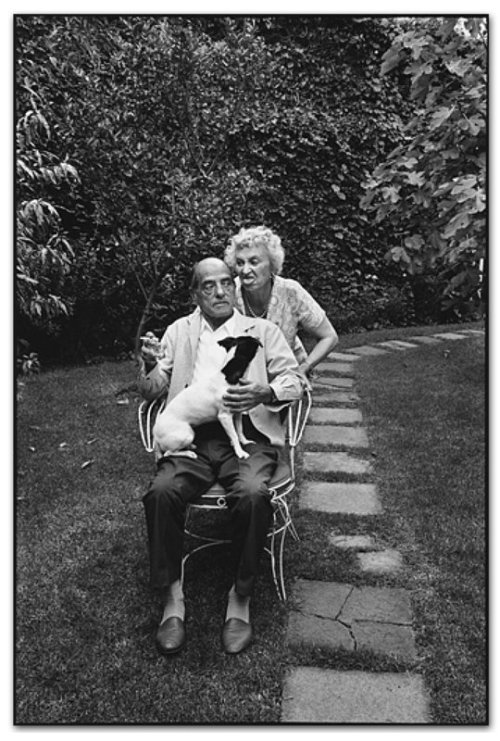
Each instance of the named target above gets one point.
<point>173,432</point>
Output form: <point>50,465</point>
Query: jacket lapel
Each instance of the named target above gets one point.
<point>242,324</point>
<point>191,344</point>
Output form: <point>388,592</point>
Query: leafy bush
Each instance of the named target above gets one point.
<point>432,187</point>
<point>146,141</point>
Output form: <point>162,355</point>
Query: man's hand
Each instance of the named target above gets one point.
<point>151,350</point>
<point>246,396</point>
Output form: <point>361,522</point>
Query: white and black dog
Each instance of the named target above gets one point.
<point>201,402</point>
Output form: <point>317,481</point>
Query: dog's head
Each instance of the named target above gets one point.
<point>246,346</point>
<point>245,349</point>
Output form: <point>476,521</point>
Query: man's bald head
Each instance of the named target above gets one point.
<point>213,289</point>
<point>205,266</point>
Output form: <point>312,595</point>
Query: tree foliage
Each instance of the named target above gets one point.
<point>432,187</point>
<point>147,141</point>
<point>44,255</point>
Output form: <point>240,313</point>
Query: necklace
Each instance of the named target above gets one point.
<point>253,313</point>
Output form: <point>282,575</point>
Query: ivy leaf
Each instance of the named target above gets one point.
<point>416,178</point>
<point>460,221</point>
<point>415,242</point>
<point>398,254</point>
<point>391,194</point>
<point>458,66</point>
<point>390,59</point>
<point>440,116</point>
<point>409,163</point>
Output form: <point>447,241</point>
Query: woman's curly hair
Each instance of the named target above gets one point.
<point>258,236</point>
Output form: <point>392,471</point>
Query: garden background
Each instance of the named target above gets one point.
<point>145,142</point>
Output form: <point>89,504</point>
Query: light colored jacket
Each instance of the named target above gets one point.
<point>274,364</point>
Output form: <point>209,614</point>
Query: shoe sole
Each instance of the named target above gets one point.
<point>170,651</point>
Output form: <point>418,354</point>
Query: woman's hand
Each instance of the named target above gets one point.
<point>305,369</point>
<point>246,396</point>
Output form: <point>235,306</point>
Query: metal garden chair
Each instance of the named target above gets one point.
<point>280,487</point>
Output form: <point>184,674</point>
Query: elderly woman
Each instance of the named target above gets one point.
<point>256,256</point>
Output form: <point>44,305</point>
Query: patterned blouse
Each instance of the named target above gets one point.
<point>291,308</point>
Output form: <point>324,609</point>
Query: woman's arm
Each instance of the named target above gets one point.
<point>327,338</point>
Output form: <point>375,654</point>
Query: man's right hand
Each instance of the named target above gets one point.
<point>151,350</point>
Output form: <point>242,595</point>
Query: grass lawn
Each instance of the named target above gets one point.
<point>85,617</point>
<point>425,410</point>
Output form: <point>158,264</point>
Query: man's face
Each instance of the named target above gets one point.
<point>215,294</point>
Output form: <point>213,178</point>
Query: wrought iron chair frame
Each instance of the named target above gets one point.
<point>215,498</point>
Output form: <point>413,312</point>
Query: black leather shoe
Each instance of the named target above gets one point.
<point>236,635</point>
<point>171,635</point>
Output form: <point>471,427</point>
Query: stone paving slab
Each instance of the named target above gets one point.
<point>316,632</point>
<point>346,369</point>
<point>335,381</point>
<point>377,619</point>
<point>346,357</point>
<point>449,336</point>
<point>333,463</point>
<point>368,350</point>
<point>324,599</point>
<point>393,640</point>
<point>393,345</point>
<point>425,339</point>
<point>335,416</point>
<point>313,695</point>
<point>403,343</point>
<point>348,437</point>
<point>377,604</point>
<point>335,497</point>
<point>360,543</point>
<point>322,395</point>
<point>387,561</point>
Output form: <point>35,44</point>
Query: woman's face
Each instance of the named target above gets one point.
<point>253,267</point>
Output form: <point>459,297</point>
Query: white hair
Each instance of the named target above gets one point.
<point>258,236</point>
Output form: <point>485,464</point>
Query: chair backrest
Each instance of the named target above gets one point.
<point>147,414</point>
<point>297,416</point>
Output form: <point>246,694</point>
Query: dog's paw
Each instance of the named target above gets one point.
<point>242,454</point>
<point>181,454</point>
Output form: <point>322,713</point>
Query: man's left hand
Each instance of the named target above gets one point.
<point>246,396</point>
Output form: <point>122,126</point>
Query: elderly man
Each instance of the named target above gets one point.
<point>191,352</point>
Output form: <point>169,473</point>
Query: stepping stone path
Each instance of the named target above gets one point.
<point>329,616</point>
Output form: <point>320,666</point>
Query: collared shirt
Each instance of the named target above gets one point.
<point>210,356</point>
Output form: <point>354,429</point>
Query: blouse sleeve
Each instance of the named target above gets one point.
<point>308,312</point>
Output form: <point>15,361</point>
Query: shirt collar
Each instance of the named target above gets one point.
<point>226,328</point>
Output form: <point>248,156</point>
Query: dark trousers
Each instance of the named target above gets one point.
<point>180,481</point>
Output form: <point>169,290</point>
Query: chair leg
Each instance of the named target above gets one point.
<point>277,565</point>
<point>293,531</point>
<point>281,564</point>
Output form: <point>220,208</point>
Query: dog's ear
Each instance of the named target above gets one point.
<point>247,339</point>
<point>228,342</point>
<point>251,341</point>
